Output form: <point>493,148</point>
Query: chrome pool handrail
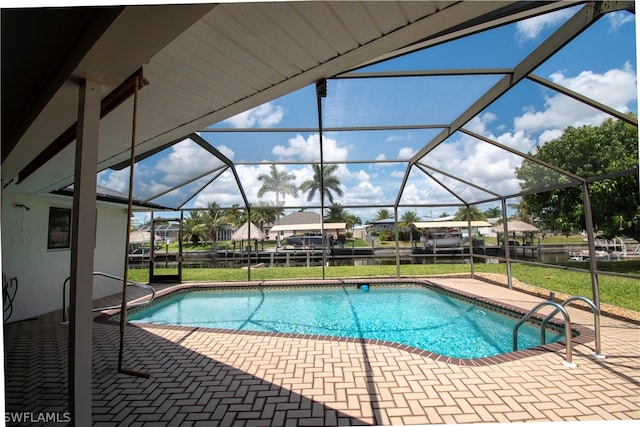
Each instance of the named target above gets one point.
<point>567,328</point>
<point>113,307</point>
<point>596,322</point>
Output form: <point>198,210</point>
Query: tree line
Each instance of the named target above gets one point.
<point>604,152</point>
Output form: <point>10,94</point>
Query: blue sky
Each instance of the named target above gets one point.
<point>600,63</point>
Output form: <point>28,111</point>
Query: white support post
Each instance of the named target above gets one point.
<point>505,242</point>
<point>397,233</point>
<point>593,261</point>
<point>470,237</point>
<point>82,251</point>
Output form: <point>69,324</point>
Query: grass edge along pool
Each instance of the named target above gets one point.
<point>417,315</point>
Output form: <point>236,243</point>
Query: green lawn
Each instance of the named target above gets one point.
<point>617,291</point>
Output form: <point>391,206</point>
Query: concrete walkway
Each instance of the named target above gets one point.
<point>210,378</point>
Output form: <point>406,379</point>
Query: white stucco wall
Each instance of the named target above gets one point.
<point>41,272</point>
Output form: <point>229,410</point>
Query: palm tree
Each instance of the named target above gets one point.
<point>474,213</point>
<point>495,212</point>
<point>382,214</point>
<point>337,213</point>
<point>194,227</point>
<point>214,218</point>
<point>277,182</point>
<point>354,220</point>
<point>522,210</point>
<point>263,214</point>
<point>321,176</point>
<point>235,215</point>
<point>407,218</point>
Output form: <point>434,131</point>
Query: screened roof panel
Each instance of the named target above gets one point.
<point>477,162</point>
<point>488,166</point>
<point>543,114</point>
<point>355,184</point>
<point>467,192</point>
<point>481,50</point>
<point>370,184</point>
<point>223,190</point>
<point>376,145</point>
<point>280,189</point>
<point>606,45</point>
<point>115,180</point>
<point>169,171</point>
<point>277,113</point>
<point>421,189</point>
<point>267,145</point>
<point>186,195</point>
<point>390,101</point>
<point>174,198</point>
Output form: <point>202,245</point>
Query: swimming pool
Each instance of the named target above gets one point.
<point>413,315</point>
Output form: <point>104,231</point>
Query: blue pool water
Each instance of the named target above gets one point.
<point>415,316</point>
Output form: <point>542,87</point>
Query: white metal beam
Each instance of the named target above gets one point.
<point>83,233</point>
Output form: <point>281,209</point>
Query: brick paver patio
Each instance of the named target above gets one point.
<point>201,377</point>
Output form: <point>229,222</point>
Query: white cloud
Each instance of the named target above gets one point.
<point>611,88</point>
<point>479,123</point>
<point>420,189</point>
<point>224,189</point>
<point>615,88</point>
<point>406,153</point>
<point>519,140</point>
<point>531,28</point>
<point>361,175</point>
<point>365,193</point>
<point>414,194</point>
<point>484,164</point>
<point>395,138</point>
<point>185,161</point>
<point>384,164</point>
<point>115,180</point>
<point>265,115</point>
<point>147,189</point>
<point>549,135</point>
<point>228,152</point>
<point>618,19</point>
<point>308,150</point>
<point>443,154</point>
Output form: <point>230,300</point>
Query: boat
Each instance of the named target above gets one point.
<point>442,238</point>
<point>605,249</point>
<point>583,255</point>
<point>446,234</point>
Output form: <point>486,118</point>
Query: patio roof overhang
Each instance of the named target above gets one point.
<point>52,169</point>
<point>239,57</point>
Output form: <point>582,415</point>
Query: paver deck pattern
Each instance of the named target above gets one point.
<point>201,377</point>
